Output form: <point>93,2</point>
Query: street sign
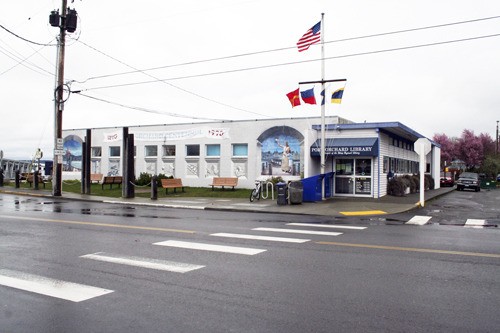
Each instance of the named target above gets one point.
<point>422,145</point>
<point>58,152</point>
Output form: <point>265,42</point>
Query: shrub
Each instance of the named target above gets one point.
<point>416,180</point>
<point>396,186</point>
<point>411,182</point>
<point>275,180</point>
<point>428,182</point>
<point>143,180</point>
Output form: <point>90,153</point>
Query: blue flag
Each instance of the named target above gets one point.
<point>337,95</point>
<point>308,96</point>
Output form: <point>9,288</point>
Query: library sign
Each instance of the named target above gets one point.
<point>347,147</point>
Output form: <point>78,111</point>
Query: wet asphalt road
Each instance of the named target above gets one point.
<point>386,277</point>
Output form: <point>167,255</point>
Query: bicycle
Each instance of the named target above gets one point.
<point>257,191</point>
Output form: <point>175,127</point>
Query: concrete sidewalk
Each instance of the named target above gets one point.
<point>337,206</point>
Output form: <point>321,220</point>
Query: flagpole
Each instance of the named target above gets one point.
<point>322,158</point>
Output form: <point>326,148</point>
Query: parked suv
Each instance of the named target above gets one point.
<point>469,180</point>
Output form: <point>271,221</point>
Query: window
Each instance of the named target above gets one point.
<point>213,150</point>
<point>192,150</point>
<point>363,167</point>
<point>240,150</point>
<point>397,165</point>
<point>168,150</point>
<point>151,151</point>
<point>96,152</point>
<point>344,167</point>
<point>114,151</point>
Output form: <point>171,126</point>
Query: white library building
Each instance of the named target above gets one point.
<point>358,156</point>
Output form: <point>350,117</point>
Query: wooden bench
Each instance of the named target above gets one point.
<point>174,183</point>
<point>30,179</point>
<point>111,180</point>
<point>224,181</point>
<point>96,177</point>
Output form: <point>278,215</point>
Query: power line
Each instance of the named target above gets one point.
<point>24,39</point>
<point>289,48</point>
<point>138,108</point>
<point>172,85</point>
<point>292,63</point>
<point>24,62</point>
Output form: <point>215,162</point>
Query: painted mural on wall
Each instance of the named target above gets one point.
<point>72,158</point>
<point>281,152</point>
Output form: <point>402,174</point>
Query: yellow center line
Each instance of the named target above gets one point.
<point>412,249</point>
<point>96,224</point>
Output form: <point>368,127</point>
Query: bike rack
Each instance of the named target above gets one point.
<point>267,191</point>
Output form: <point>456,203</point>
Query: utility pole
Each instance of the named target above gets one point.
<point>65,21</point>
<point>59,104</point>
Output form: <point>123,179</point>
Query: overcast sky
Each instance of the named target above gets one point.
<point>147,62</point>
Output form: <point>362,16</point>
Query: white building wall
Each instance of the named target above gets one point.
<point>383,151</point>
<point>198,170</point>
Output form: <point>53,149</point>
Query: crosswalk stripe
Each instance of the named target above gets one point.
<point>473,223</point>
<point>211,247</point>
<point>296,231</point>
<point>257,237</point>
<point>419,220</point>
<point>333,226</point>
<point>162,265</point>
<point>50,287</point>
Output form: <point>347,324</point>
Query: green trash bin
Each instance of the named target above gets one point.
<point>488,184</point>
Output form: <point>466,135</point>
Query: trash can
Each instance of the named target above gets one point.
<point>282,193</point>
<point>488,184</point>
<point>295,192</point>
<point>312,188</point>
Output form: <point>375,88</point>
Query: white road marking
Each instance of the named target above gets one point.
<point>50,287</point>
<point>211,247</point>
<point>327,226</point>
<point>473,223</point>
<point>296,231</point>
<point>162,265</point>
<point>266,238</point>
<point>419,220</point>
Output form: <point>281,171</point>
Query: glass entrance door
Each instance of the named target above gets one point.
<point>353,176</point>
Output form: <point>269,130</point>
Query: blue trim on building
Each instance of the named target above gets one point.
<point>393,127</point>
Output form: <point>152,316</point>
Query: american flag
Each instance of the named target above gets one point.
<point>312,36</point>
